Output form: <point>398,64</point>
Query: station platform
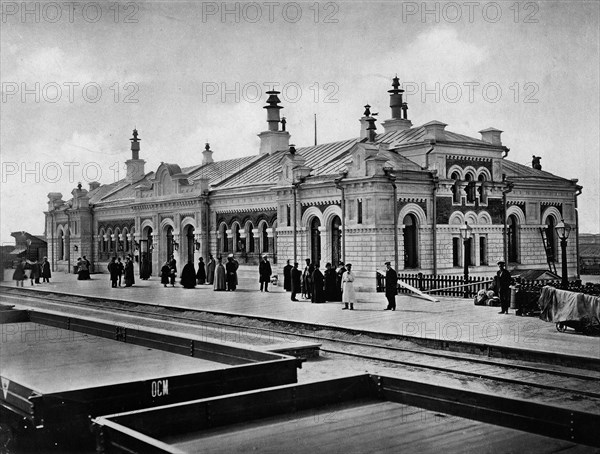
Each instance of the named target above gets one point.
<point>448,323</point>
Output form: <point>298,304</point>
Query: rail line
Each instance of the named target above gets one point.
<point>579,379</point>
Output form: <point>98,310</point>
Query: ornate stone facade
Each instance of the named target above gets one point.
<point>402,195</point>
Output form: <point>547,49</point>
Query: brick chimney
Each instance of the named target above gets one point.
<point>491,136</point>
<point>273,139</point>
<point>364,123</point>
<point>434,130</point>
<point>399,120</point>
<point>94,185</point>
<point>207,157</point>
<point>135,165</point>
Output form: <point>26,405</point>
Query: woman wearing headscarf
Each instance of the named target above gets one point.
<point>220,283</point>
<point>201,274</point>
<point>210,270</point>
<point>188,275</point>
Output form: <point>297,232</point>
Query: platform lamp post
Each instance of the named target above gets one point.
<point>465,233</point>
<point>562,230</point>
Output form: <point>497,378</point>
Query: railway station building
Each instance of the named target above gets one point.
<point>423,197</point>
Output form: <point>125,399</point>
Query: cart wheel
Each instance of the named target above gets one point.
<point>561,327</point>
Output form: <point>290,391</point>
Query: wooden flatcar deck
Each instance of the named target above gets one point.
<point>368,426</point>
<point>50,360</point>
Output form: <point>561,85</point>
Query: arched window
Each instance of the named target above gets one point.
<point>551,238</point>
<point>189,236</point>
<point>481,190</point>
<point>61,245</point>
<point>109,234</point>
<point>169,240</point>
<point>315,240</point>
<point>336,240</point>
<point>410,242</point>
<point>470,187</point>
<point>264,237</point>
<point>512,234</point>
<point>235,236</point>
<point>224,240</point>
<point>249,237</point>
<point>456,187</point>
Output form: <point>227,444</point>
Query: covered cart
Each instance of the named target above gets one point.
<point>570,310</point>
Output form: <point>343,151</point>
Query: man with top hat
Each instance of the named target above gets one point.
<point>391,287</point>
<point>501,285</point>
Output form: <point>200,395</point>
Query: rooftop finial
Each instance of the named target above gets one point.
<point>367,112</point>
<point>207,146</point>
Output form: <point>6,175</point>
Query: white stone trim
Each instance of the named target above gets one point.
<point>414,209</point>
<point>516,210</point>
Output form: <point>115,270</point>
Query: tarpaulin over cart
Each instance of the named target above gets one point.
<point>563,306</point>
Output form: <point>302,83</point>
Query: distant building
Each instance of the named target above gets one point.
<point>402,195</point>
<point>589,253</point>
<point>28,246</point>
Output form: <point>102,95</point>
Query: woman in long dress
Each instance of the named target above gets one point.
<point>129,273</point>
<point>188,275</point>
<point>220,283</point>
<point>19,275</point>
<point>348,294</point>
<point>165,274</point>
<point>210,270</point>
<point>318,293</point>
<point>201,274</point>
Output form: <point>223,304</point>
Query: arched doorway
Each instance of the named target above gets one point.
<point>551,238</point>
<point>146,247</point>
<point>315,240</point>
<point>61,246</point>
<point>336,240</point>
<point>169,238</point>
<point>410,241</point>
<point>264,237</point>
<point>513,247</point>
<point>189,243</point>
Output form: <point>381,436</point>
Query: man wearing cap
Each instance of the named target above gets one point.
<point>391,286</point>
<point>501,285</point>
<point>264,272</point>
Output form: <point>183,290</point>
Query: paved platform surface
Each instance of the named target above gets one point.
<point>450,319</point>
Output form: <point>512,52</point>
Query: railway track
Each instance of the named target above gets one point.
<point>576,384</point>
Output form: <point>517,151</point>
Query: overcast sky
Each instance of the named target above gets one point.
<point>77,77</point>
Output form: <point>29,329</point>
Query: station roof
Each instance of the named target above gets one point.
<point>325,159</point>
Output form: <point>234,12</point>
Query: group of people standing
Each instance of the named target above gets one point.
<point>336,284</point>
<point>221,277</point>
<point>117,270</point>
<point>36,270</point>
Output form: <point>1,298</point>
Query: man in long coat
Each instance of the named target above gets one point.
<point>296,278</point>
<point>348,294</point>
<point>318,292</point>
<point>307,279</point>
<point>113,269</point>
<point>501,285</point>
<point>330,284</point>
<point>231,271</point>
<point>46,273</point>
<point>129,273</point>
<point>287,277</point>
<point>391,287</point>
<point>340,272</point>
<point>264,272</point>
